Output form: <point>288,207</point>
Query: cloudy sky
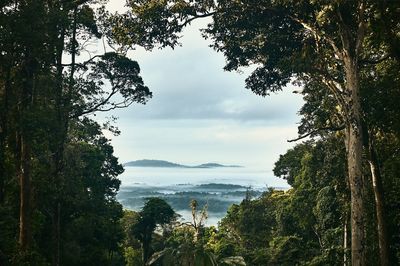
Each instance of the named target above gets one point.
<point>200,113</point>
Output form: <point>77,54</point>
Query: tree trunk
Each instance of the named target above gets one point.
<point>60,135</point>
<point>345,247</point>
<point>379,204</point>
<point>58,242</point>
<point>25,196</point>
<point>146,250</point>
<point>24,131</point>
<point>354,159</point>
<point>2,161</point>
<point>3,134</point>
<point>59,138</point>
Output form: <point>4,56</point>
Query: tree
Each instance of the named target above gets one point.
<point>132,247</point>
<point>154,212</point>
<point>44,89</point>
<point>188,244</point>
<point>90,231</point>
<point>321,42</point>
<point>380,115</point>
<point>304,225</point>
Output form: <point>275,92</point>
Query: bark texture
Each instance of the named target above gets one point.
<point>345,237</point>
<point>354,160</point>
<point>25,197</point>
<point>25,134</point>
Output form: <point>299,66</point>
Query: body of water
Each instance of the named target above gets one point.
<point>219,188</point>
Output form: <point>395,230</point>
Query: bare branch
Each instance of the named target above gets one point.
<point>196,17</point>
<point>83,64</point>
<point>97,106</point>
<point>316,131</point>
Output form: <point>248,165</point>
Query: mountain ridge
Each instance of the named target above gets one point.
<point>167,164</point>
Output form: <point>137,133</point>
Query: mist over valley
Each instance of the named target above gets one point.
<point>217,187</point>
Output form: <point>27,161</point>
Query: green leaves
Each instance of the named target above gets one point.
<point>45,92</point>
<point>119,73</point>
<point>86,19</point>
<point>149,23</point>
<point>300,226</point>
<point>158,211</point>
<point>155,212</point>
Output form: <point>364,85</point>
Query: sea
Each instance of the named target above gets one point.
<point>215,188</point>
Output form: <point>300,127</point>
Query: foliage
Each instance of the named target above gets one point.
<point>327,47</point>
<point>155,212</point>
<point>184,244</point>
<point>58,174</point>
<point>298,226</point>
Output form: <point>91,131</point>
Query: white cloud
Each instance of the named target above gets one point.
<point>201,113</point>
<point>188,141</point>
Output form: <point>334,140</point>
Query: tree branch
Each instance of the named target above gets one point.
<point>344,36</point>
<point>361,28</point>
<point>319,36</point>
<point>83,64</point>
<point>98,105</point>
<point>196,17</point>
<point>335,91</point>
<point>316,131</point>
<point>375,61</point>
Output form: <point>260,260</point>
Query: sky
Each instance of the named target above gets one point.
<point>200,113</point>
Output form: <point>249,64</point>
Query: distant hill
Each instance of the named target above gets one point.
<point>214,165</point>
<point>153,163</point>
<point>161,163</point>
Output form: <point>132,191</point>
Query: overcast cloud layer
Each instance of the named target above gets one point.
<point>200,113</point>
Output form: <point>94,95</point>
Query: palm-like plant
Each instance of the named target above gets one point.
<point>186,247</point>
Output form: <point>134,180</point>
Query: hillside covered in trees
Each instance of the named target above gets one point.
<point>59,176</point>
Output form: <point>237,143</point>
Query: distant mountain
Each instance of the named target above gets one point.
<point>161,163</point>
<point>153,163</point>
<point>214,165</point>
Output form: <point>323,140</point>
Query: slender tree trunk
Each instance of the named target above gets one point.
<point>62,118</point>
<point>26,102</point>
<point>58,235</point>
<point>379,204</point>
<point>25,196</point>
<point>146,250</point>
<point>2,160</point>
<point>58,156</point>
<point>3,134</point>
<point>354,159</point>
<point>60,135</point>
<point>345,247</point>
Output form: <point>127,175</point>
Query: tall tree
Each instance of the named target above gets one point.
<point>381,116</point>
<point>154,212</point>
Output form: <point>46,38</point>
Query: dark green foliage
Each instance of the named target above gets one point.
<point>289,165</point>
<point>191,243</point>
<point>58,173</point>
<point>155,212</point>
<point>303,225</point>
